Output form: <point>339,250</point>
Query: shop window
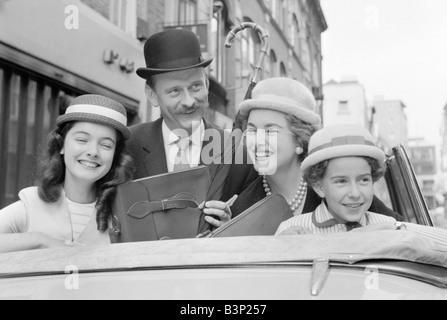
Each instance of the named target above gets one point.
<point>304,47</point>
<point>274,9</point>
<point>187,11</point>
<point>218,36</point>
<point>343,107</point>
<point>30,106</point>
<point>282,70</point>
<point>294,35</point>
<point>123,13</point>
<point>273,64</point>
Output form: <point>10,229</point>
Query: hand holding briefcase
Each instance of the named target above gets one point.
<point>160,207</point>
<point>261,219</point>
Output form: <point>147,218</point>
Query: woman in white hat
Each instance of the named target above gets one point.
<point>281,119</point>
<point>85,159</point>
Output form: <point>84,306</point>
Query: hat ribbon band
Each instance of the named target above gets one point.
<point>277,99</point>
<point>98,110</point>
<point>344,141</point>
<point>177,64</point>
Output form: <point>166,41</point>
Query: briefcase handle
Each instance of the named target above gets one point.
<point>142,209</point>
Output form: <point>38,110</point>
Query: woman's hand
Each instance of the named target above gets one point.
<point>217,213</point>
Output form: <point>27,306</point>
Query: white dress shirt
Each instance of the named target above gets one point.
<point>193,151</point>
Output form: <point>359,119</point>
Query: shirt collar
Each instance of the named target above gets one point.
<point>322,218</point>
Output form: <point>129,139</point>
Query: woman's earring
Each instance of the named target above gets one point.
<point>299,151</point>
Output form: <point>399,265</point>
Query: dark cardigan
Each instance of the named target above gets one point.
<point>255,193</point>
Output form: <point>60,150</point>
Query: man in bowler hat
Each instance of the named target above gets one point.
<point>177,83</point>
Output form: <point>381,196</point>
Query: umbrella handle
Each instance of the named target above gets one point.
<point>265,45</point>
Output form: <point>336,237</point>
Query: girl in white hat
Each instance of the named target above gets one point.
<point>342,167</point>
<point>85,159</point>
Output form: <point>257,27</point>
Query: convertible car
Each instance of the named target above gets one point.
<point>357,265</point>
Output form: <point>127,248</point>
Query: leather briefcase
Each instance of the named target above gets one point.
<point>261,219</point>
<point>160,207</point>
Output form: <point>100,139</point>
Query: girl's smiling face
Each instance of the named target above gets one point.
<point>88,152</point>
<point>348,188</point>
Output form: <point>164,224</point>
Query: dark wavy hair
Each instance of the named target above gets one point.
<point>315,173</point>
<point>51,174</point>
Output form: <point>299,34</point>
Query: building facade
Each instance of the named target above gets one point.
<point>50,52</point>
<point>444,142</point>
<point>424,161</point>
<point>390,122</point>
<point>54,50</point>
<point>345,102</point>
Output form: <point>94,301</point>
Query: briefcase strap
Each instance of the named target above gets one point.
<point>142,209</point>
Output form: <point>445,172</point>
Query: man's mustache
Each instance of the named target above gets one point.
<point>194,108</point>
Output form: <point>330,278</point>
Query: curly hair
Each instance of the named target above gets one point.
<point>51,174</point>
<point>303,131</point>
<point>315,173</point>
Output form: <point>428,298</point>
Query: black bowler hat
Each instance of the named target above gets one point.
<point>172,50</point>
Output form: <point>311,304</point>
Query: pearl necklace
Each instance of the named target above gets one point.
<point>299,195</point>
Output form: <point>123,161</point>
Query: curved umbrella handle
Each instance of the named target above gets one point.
<point>264,50</point>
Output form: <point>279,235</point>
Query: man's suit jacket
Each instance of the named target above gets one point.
<point>147,147</point>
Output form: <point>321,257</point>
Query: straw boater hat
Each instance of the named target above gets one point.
<point>285,95</point>
<point>97,109</point>
<point>341,141</point>
<point>172,50</point>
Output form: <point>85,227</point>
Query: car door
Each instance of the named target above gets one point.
<point>404,191</point>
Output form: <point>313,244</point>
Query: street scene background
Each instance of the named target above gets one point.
<point>378,63</point>
<point>392,54</point>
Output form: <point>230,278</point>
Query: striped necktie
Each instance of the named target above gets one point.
<point>181,161</point>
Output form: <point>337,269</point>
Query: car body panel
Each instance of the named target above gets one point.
<point>353,266</point>
<point>233,268</point>
<point>229,283</point>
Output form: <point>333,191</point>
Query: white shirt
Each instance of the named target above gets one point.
<point>193,151</point>
<point>63,220</point>
<point>80,215</point>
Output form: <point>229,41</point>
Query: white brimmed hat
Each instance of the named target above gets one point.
<point>341,141</point>
<point>97,109</point>
<point>285,95</point>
